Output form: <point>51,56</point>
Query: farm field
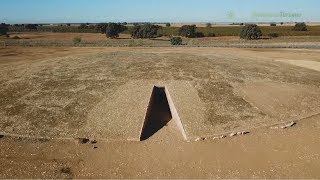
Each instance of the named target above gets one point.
<point>36,39</point>
<point>53,98</point>
<point>228,30</point>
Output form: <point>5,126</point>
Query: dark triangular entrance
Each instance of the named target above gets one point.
<point>158,114</point>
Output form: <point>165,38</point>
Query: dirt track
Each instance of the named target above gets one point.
<point>57,92</point>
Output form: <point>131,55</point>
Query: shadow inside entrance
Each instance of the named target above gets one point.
<point>158,113</point>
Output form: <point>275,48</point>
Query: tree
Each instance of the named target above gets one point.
<point>188,31</point>
<point>250,31</point>
<point>3,29</point>
<point>101,27</point>
<point>145,31</point>
<point>91,26</point>
<point>30,26</point>
<point>113,30</point>
<point>300,27</point>
<point>176,41</point>
<point>208,25</point>
<point>199,34</point>
<point>273,24</point>
<point>168,24</point>
<point>82,26</point>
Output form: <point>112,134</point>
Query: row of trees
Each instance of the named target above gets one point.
<point>249,31</point>
<point>3,29</point>
<point>252,31</point>
<point>145,31</point>
<point>112,30</point>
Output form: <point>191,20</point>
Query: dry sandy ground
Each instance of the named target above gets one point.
<point>264,153</point>
<point>102,93</point>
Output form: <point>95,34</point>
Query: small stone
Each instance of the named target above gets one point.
<point>244,132</point>
<point>203,138</point>
<point>233,134</point>
<point>83,140</point>
<point>95,147</point>
<point>198,139</point>
<point>288,125</point>
<point>223,136</point>
<point>239,133</point>
<point>94,142</point>
<point>291,124</point>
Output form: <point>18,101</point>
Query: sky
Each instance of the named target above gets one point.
<point>94,11</point>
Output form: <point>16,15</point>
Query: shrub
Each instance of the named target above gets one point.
<point>77,40</point>
<point>16,37</point>
<point>113,30</point>
<point>3,29</point>
<point>188,31</point>
<point>281,23</point>
<point>273,24</point>
<point>145,31</point>
<point>250,31</point>
<point>208,25</point>
<point>300,27</point>
<point>176,41</point>
<point>168,25</point>
<point>273,35</point>
<point>211,34</point>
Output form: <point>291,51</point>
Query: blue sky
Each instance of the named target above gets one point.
<point>63,11</point>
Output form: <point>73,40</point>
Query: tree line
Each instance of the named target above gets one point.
<point>141,31</point>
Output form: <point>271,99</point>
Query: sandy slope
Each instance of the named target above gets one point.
<point>63,92</point>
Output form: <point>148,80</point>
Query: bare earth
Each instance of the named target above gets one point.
<point>50,97</point>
